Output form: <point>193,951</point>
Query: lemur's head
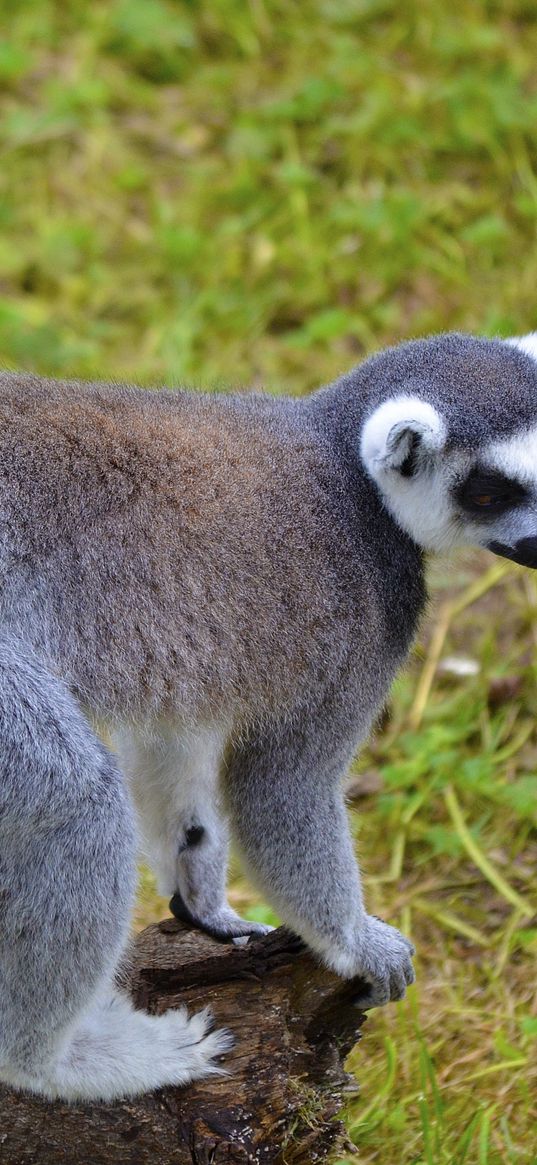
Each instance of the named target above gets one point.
<point>451,442</point>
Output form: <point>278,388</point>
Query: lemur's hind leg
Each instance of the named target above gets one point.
<point>67,875</point>
<point>175,783</point>
<point>287,813</point>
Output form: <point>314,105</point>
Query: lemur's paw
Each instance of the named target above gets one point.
<point>222,924</point>
<point>386,964</point>
<point>196,1041</point>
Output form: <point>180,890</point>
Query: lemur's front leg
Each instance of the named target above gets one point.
<point>287,813</point>
<point>174,780</point>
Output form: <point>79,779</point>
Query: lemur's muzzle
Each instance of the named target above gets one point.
<point>523,552</point>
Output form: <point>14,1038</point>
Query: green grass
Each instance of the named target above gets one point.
<point>261,192</point>
<point>229,192</point>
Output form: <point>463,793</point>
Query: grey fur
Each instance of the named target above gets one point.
<point>222,581</point>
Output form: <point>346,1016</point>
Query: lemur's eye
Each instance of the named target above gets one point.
<point>488,499</point>
<point>491,491</point>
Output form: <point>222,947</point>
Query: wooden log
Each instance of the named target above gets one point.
<point>294,1023</point>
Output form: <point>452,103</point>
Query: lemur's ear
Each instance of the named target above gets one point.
<point>401,435</point>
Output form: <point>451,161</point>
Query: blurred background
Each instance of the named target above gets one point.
<point>259,193</point>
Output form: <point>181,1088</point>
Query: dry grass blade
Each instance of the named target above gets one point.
<point>448,612</point>
<point>481,861</point>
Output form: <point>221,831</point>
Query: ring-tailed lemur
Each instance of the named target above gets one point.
<point>232,582</point>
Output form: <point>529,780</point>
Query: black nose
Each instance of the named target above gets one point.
<point>523,552</point>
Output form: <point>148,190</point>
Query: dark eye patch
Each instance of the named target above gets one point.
<point>486,492</point>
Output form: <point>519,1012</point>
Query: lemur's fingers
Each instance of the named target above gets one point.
<point>386,964</point>
<point>221,924</point>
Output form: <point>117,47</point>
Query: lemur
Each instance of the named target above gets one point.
<point>230,583</point>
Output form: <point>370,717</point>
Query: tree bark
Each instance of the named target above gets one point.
<point>294,1023</point>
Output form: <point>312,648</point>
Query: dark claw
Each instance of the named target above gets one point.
<point>180,911</point>
<point>363,1002</point>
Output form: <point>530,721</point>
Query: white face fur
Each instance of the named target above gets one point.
<point>444,498</point>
